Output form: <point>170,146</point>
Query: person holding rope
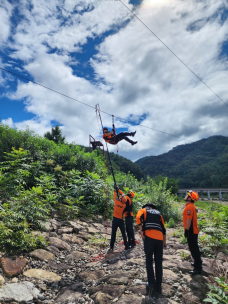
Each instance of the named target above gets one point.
<point>117,221</point>
<point>113,138</point>
<point>128,214</point>
<point>153,233</point>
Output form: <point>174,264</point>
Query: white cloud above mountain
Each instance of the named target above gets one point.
<point>134,76</point>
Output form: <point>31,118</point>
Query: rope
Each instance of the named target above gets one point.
<point>174,53</point>
<point>125,120</point>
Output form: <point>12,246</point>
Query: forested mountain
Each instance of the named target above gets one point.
<point>203,163</point>
<point>123,164</point>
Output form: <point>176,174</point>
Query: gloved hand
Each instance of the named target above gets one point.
<point>116,187</point>
<point>186,233</point>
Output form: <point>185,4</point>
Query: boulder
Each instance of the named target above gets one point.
<point>91,275</point>
<point>101,298</point>
<point>76,226</point>
<point>65,230</point>
<point>72,239</point>
<point>42,255</point>
<point>13,268</point>
<point>111,290</point>
<point>19,292</point>
<point>167,290</point>
<point>189,298</point>
<point>76,255</point>
<point>70,293</point>
<point>43,275</point>
<point>92,230</point>
<point>59,244</point>
<point>83,235</point>
<point>60,267</point>
<point>221,256</point>
<point>170,275</point>
<point>185,267</point>
<point>2,280</point>
<point>54,250</point>
<point>129,299</point>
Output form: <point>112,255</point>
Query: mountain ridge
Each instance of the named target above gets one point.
<point>203,163</point>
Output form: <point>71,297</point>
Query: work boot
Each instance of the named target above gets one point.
<point>157,290</point>
<point>134,143</point>
<point>110,251</point>
<point>133,133</point>
<point>126,248</point>
<point>196,271</point>
<point>149,289</point>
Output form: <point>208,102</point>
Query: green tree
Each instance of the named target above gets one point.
<point>55,135</point>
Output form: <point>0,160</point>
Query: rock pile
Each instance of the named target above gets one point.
<point>63,272</point>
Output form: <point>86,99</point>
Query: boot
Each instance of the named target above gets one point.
<point>133,133</point>
<point>134,143</point>
<point>157,290</point>
<point>192,264</point>
<point>149,289</point>
<point>196,271</point>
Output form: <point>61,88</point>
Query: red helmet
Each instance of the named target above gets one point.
<point>131,193</point>
<point>193,194</point>
<point>123,198</point>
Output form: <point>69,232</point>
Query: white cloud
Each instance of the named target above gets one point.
<point>8,122</point>
<point>135,73</point>
<point>5,14</point>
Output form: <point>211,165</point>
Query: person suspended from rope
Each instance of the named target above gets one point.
<point>128,214</point>
<point>113,138</point>
<point>117,221</point>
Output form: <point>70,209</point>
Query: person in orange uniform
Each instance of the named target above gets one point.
<point>128,214</point>
<point>113,138</point>
<point>117,221</point>
<point>153,232</point>
<point>191,230</point>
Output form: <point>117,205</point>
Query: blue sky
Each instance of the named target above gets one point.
<point>96,52</point>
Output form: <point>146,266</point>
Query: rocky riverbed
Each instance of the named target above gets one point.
<point>63,272</point>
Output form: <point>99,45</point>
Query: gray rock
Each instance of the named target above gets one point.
<point>43,275</point>
<point>20,292</point>
<point>65,230</point>
<point>42,255</point>
<point>91,275</point>
<point>54,250</point>
<point>76,255</point>
<point>59,244</point>
<point>70,293</point>
<point>72,239</point>
<point>221,256</point>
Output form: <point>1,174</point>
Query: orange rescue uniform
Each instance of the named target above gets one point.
<point>190,213</point>
<point>152,233</point>
<point>129,202</point>
<point>118,207</point>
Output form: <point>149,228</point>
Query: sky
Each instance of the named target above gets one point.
<point>97,52</point>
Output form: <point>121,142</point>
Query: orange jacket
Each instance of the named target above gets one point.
<point>118,207</point>
<point>107,136</point>
<point>129,203</point>
<point>152,233</point>
<point>190,213</point>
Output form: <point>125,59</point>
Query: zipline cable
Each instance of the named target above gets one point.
<point>125,120</point>
<point>174,53</point>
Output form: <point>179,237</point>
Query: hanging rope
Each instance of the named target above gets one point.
<point>97,107</point>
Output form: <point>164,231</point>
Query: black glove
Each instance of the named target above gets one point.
<point>116,187</point>
<point>186,233</point>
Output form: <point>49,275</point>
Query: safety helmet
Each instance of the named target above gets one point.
<point>193,195</point>
<point>131,193</point>
<point>149,205</point>
<point>105,128</point>
<point>123,198</point>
